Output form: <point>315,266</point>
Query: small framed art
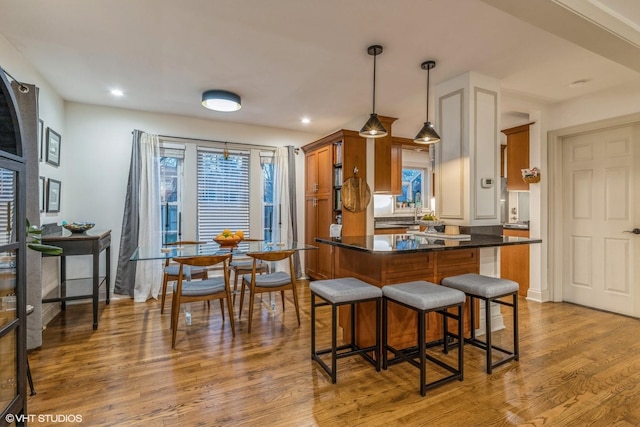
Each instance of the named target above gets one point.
<point>53,147</point>
<point>53,195</point>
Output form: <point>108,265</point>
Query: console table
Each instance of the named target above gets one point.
<point>88,243</point>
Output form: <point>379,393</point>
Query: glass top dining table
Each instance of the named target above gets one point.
<point>143,253</point>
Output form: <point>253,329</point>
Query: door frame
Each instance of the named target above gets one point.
<point>555,140</point>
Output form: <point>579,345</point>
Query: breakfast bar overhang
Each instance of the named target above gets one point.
<point>396,258</point>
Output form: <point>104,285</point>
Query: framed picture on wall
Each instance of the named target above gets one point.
<point>40,140</point>
<point>53,195</point>
<point>41,188</point>
<point>53,147</point>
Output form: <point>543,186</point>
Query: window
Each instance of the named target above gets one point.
<point>414,186</point>
<point>171,177</point>
<point>7,206</point>
<point>223,192</point>
<point>266,163</point>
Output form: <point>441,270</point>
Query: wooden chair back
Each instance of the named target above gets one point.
<point>180,243</point>
<point>271,256</point>
<point>203,261</point>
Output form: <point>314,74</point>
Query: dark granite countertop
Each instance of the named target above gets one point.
<point>405,243</point>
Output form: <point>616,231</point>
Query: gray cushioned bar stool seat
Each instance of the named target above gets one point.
<point>488,289</point>
<point>424,297</point>
<point>334,293</point>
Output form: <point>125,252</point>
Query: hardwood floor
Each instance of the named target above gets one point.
<point>578,367</point>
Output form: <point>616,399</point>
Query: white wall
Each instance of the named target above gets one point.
<point>51,111</point>
<point>96,153</point>
<point>606,104</point>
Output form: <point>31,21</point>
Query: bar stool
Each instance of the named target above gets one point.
<point>488,289</point>
<point>424,297</point>
<point>337,292</point>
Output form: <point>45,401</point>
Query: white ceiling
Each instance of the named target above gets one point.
<point>293,58</point>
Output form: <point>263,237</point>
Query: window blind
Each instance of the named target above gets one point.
<point>7,205</point>
<point>223,192</point>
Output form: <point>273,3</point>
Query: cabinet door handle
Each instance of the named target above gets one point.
<point>315,187</point>
<point>315,202</point>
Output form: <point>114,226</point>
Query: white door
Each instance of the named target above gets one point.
<point>601,200</point>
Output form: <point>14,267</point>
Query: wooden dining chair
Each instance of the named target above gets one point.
<point>171,271</point>
<point>272,282</point>
<point>241,267</point>
<point>207,289</point>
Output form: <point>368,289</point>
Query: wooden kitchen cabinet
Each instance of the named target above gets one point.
<point>328,162</point>
<point>514,261</point>
<point>388,162</point>
<point>381,269</point>
<point>517,156</point>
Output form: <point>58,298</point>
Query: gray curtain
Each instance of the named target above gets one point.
<point>126,272</point>
<point>27,100</point>
<point>293,205</point>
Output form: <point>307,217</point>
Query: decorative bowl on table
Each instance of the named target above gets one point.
<point>78,227</point>
<point>228,238</point>
<point>228,241</point>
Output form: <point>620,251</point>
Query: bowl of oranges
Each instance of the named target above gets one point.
<point>229,238</point>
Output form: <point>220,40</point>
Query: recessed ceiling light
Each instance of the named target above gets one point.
<point>117,92</point>
<point>305,120</point>
<point>578,83</point>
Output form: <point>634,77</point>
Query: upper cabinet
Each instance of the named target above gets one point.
<point>517,156</point>
<point>329,162</point>
<point>388,162</point>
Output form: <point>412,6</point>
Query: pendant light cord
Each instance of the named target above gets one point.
<point>428,72</point>
<point>374,83</point>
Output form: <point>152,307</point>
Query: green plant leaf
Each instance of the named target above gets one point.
<point>45,249</point>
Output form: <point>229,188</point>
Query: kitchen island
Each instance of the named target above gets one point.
<point>395,258</point>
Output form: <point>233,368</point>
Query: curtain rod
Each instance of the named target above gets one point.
<point>182,138</point>
<point>21,86</point>
<point>240,144</point>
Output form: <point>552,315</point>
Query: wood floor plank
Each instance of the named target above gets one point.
<point>578,367</point>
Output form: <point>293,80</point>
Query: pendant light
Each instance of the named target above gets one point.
<point>373,128</point>
<point>427,134</point>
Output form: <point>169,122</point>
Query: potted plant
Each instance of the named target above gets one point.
<point>34,241</point>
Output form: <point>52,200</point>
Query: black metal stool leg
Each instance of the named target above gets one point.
<point>487,313</point>
<point>516,346</point>
<point>313,325</point>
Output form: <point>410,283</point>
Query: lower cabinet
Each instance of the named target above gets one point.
<point>514,261</point>
<point>381,270</point>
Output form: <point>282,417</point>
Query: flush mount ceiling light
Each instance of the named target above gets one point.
<point>373,128</point>
<point>221,100</point>
<point>427,134</point>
